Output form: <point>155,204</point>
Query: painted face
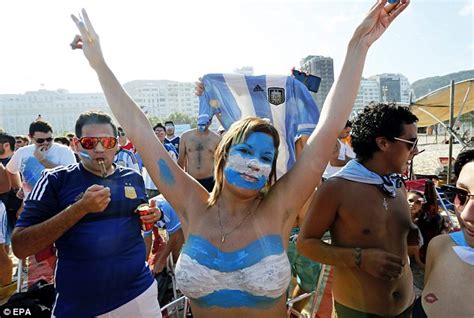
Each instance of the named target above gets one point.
<point>465,206</point>
<point>202,128</point>
<point>249,164</point>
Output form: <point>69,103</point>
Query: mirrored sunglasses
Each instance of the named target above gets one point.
<point>91,142</point>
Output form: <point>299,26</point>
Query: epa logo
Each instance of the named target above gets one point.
<point>17,312</point>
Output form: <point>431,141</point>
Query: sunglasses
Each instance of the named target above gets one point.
<point>413,143</point>
<point>457,195</point>
<point>19,141</point>
<point>91,142</point>
<point>417,201</point>
<point>41,140</point>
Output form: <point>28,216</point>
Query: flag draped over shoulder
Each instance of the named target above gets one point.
<point>285,101</point>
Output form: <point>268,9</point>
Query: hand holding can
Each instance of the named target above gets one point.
<point>149,215</point>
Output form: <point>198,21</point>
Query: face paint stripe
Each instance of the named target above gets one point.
<point>165,173</point>
<point>241,164</point>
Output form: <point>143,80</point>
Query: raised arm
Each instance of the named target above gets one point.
<point>302,179</point>
<point>165,173</point>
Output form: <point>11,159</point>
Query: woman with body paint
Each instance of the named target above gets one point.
<point>449,271</point>
<point>234,262</point>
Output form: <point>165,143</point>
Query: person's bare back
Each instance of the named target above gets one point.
<point>196,153</point>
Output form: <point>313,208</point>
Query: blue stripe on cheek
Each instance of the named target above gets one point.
<point>234,177</point>
<point>165,173</point>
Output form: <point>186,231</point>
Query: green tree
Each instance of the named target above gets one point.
<point>154,120</point>
<point>180,118</point>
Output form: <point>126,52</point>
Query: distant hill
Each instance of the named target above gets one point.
<point>429,84</point>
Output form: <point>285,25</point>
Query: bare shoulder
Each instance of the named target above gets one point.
<point>335,184</point>
<point>439,244</point>
<point>215,137</point>
<point>186,134</point>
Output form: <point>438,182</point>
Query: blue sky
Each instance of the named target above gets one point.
<point>181,39</point>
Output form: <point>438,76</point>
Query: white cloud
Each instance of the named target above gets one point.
<point>468,9</point>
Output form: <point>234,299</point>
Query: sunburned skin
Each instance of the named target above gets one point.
<point>249,164</point>
<point>165,173</point>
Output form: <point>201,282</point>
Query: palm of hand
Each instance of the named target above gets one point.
<point>374,28</point>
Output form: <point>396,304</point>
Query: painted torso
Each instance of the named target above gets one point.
<point>255,276</point>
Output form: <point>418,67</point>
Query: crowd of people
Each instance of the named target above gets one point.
<point>95,202</point>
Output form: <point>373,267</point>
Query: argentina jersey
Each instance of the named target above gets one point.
<point>101,259</point>
<point>285,101</point>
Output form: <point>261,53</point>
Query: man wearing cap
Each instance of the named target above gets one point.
<point>196,152</point>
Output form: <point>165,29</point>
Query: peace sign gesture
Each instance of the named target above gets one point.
<point>378,20</point>
<point>88,40</point>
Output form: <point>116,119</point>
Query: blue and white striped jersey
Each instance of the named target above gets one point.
<point>285,101</point>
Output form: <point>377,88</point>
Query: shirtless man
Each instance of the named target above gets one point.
<point>196,152</point>
<point>368,218</point>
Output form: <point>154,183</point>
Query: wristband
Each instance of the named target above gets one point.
<point>358,256</point>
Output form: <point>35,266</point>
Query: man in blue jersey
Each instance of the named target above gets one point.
<point>87,210</point>
<point>171,138</point>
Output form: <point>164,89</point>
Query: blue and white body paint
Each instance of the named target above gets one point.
<point>85,155</point>
<point>254,276</point>
<point>249,164</point>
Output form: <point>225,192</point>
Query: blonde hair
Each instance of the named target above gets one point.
<point>238,133</point>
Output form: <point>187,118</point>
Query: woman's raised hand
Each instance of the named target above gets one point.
<point>378,20</point>
<point>88,40</point>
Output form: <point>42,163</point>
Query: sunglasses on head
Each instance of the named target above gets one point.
<point>91,142</point>
<point>457,195</point>
<point>41,140</point>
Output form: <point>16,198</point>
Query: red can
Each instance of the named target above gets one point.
<point>144,209</point>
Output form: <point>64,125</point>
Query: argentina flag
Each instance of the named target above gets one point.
<point>285,101</point>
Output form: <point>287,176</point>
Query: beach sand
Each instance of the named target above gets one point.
<point>427,161</point>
